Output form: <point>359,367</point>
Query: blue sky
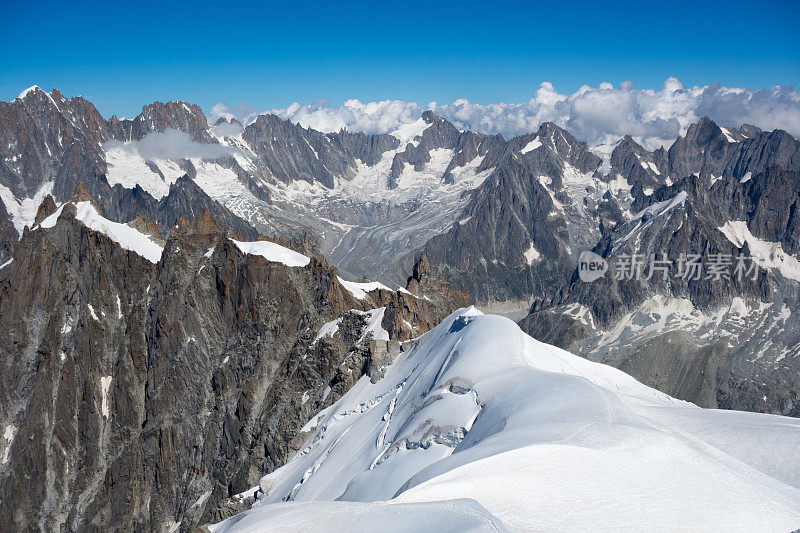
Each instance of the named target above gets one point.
<point>268,56</point>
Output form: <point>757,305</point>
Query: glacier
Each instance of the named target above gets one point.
<point>477,426</point>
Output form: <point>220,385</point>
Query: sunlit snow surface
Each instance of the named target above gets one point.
<point>383,517</point>
<point>360,290</point>
<point>127,237</point>
<point>273,252</point>
<point>767,254</point>
<point>128,168</point>
<point>481,416</point>
<point>23,212</point>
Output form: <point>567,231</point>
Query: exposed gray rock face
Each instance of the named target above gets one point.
<point>558,147</point>
<point>484,255</point>
<point>187,200</point>
<point>514,235</point>
<point>487,247</point>
<point>388,228</point>
<point>49,144</point>
<point>770,205</point>
<point>8,235</point>
<point>46,138</point>
<point>719,342</point>
<point>122,205</point>
<point>381,235</point>
<point>441,134</point>
<point>275,151</point>
<point>425,282</point>
<point>290,152</point>
<point>157,117</point>
<point>144,396</point>
<point>538,200</point>
<point>643,170</point>
<point>707,150</point>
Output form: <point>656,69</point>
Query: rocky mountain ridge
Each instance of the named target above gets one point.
<point>720,340</point>
<point>373,202</point>
<point>136,284</point>
<point>503,220</point>
<point>108,349</point>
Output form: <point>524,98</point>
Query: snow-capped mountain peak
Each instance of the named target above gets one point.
<point>476,410</point>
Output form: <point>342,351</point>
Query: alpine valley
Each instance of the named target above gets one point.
<point>245,327</point>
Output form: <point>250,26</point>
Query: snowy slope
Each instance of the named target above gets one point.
<point>360,290</point>
<point>539,438</point>
<point>273,252</point>
<point>127,237</point>
<point>386,517</point>
<point>23,211</point>
<point>768,254</point>
<point>128,168</point>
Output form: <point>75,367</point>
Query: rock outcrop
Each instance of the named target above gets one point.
<point>289,152</point>
<point>140,395</point>
<point>725,340</point>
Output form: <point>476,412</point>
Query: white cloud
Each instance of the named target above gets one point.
<point>243,112</point>
<point>227,129</point>
<point>597,115</point>
<point>769,109</point>
<point>374,117</point>
<point>172,144</point>
<point>219,111</point>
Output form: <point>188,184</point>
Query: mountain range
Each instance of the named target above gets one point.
<point>163,265</point>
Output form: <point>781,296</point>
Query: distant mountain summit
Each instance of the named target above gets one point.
<point>504,220</point>
<point>185,305</point>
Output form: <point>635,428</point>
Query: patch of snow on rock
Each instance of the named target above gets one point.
<point>531,254</point>
<point>23,212</point>
<point>328,329</point>
<point>531,146</point>
<point>374,327</point>
<point>8,436</point>
<point>360,290</point>
<point>767,254</point>
<point>726,132</point>
<point>105,383</point>
<point>272,251</point>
